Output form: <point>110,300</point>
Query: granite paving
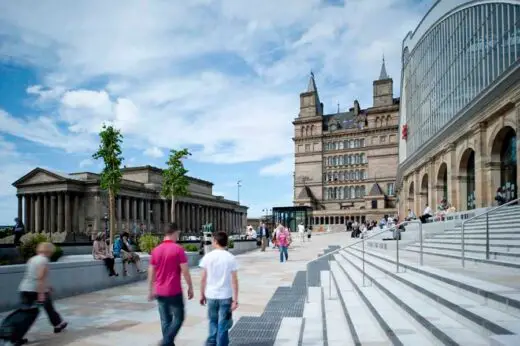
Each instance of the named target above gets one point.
<point>269,291</point>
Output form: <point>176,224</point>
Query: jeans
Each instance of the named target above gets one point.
<point>29,298</point>
<point>220,321</point>
<point>171,312</point>
<point>283,252</point>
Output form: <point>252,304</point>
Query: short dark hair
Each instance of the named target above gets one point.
<point>221,238</point>
<point>172,228</point>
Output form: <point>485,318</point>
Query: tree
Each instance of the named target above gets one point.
<point>175,182</point>
<point>111,176</point>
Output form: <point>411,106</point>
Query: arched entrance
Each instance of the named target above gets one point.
<point>503,157</point>
<point>424,192</point>
<point>411,198</point>
<point>442,183</point>
<point>467,179</point>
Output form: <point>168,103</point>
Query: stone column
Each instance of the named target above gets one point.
<point>141,211</point>
<point>166,213</point>
<point>27,214</point>
<point>38,213</point>
<point>52,226</point>
<point>60,212</point>
<point>127,214</point>
<point>157,212</point>
<point>32,200</point>
<point>481,158</point>
<point>75,215</point>
<point>452,173</point>
<point>517,148</point>
<point>20,207</point>
<point>46,213</point>
<point>432,183</point>
<point>134,211</point>
<point>67,212</point>
<point>119,218</point>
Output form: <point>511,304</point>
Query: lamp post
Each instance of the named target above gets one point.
<point>239,185</point>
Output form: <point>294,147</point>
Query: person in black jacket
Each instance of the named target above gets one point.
<point>263,234</point>
<point>19,230</point>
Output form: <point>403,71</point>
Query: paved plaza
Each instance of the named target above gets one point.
<point>123,316</point>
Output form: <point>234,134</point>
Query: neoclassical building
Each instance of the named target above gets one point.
<point>460,105</point>
<point>346,162</point>
<point>75,204</point>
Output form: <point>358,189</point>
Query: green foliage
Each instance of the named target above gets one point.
<point>175,182</point>
<point>110,152</point>
<point>190,247</point>
<point>58,252</point>
<point>148,242</point>
<point>30,243</point>
<point>5,232</point>
<point>231,244</point>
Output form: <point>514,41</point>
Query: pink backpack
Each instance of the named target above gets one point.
<point>283,238</point>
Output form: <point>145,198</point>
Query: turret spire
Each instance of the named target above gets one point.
<point>383,74</point>
<point>311,87</point>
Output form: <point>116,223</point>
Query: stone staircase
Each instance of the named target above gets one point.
<point>504,239</point>
<point>358,297</point>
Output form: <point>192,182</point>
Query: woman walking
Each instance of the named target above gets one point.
<point>283,237</point>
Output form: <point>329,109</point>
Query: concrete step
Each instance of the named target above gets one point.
<point>477,248</point>
<point>363,326</point>
<point>496,254</point>
<point>473,257</point>
<point>486,292</point>
<point>312,313</point>
<point>336,323</point>
<point>424,310</point>
<point>486,318</point>
<point>289,332</point>
<point>475,242</point>
<point>513,237</point>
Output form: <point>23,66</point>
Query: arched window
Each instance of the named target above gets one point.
<point>341,176</point>
<point>350,159</point>
<point>335,176</point>
<point>352,192</point>
<point>340,193</point>
<point>362,174</point>
<point>351,143</point>
<point>329,177</point>
<point>345,192</point>
<point>341,162</point>
<point>356,143</point>
<point>345,144</point>
<point>362,142</point>
<point>363,190</point>
<point>334,161</point>
<point>340,145</point>
<point>362,158</point>
<point>357,159</point>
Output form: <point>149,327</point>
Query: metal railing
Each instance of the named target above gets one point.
<point>362,241</point>
<point>471,219</point>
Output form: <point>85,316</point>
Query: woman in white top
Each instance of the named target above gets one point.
<point>34,286</point>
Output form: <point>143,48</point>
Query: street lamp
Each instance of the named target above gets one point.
<point>239,185</point>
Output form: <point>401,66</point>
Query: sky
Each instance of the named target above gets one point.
<point>219,77</point>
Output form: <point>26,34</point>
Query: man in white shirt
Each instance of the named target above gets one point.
<point>426,214</point>
<point>219,289</point>
<point>301,232</point>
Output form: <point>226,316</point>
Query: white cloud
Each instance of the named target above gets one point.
<point>283,167</point>
<point>86,163</point>
<point>154,152</point>
<point>163,81</point>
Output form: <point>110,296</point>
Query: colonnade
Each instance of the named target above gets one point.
<point>50,211</point>
<point>154,214</point>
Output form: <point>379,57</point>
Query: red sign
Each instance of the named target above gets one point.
<point>405,132</point>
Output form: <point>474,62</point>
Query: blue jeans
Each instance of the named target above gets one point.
<point>220,321</point>
<point>171,312</point>
<point>283,252</point>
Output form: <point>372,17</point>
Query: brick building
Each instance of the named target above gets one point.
<point>346,162</point>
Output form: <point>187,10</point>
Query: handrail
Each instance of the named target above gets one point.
<point>486,213</point>
<point>393,228</point>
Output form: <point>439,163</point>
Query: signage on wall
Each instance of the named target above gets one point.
<point>404,132</point>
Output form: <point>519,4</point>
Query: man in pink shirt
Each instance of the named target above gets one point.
<point>167,262</point>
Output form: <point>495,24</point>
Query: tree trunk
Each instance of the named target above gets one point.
<point>112,217</point>
<point>173,209</point>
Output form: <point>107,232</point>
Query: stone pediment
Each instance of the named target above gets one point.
<point>39,176</point>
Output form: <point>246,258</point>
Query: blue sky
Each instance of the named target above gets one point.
<point>220,77</point>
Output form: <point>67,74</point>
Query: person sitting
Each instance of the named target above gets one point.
<point>101,252</point>
<point>426,214</point>
<point>500,197</point>
<point>124,250</point>
<point>411,215</point>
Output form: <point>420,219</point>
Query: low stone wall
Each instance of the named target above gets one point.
<point>67,279</point>
<point>71,277</point>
